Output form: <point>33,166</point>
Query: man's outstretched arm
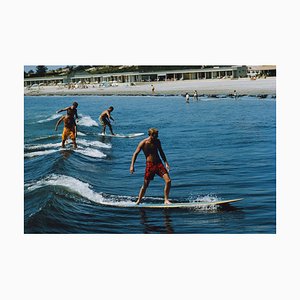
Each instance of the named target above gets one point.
<point>63,109</point>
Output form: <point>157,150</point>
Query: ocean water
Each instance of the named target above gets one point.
<point>218,149</point>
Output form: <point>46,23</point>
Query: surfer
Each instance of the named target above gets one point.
<point>69,130</point>
<point>72,112</point>
<point>104,120</point>
<point>151,146</point>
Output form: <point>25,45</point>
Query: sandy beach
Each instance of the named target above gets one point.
<point>243,86</point>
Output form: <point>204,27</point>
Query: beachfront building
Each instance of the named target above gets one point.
<point>40,81</point>
<point>261,71</point>
<point>84,77</point>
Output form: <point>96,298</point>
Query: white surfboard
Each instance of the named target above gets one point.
<point>117,135</point>
<point>173,205</point>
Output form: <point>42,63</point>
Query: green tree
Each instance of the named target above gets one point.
<point>41,70</point>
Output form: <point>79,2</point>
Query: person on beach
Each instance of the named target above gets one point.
<point>105,118</point>
<point>151,146</point>
<point>70,130</point>
<point>187,98</point>
<point>152,88</point>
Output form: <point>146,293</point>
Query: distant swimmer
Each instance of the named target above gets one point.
<point>69,130</point>
<point>151,146</point>
<point>195,95</point>
<point>235,95</point>
<point>187,98</point>
<point>104,119</point>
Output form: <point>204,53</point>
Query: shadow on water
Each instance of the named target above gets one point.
<point>65,153</point>
<point>148,228</point>
<point>60,164</point>
<point>217,220</point>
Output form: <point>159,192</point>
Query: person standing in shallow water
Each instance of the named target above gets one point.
<point>187,98</point>
<point>195,95</point>
<point>151,147</point>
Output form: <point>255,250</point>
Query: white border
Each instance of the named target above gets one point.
<point>142,266</point>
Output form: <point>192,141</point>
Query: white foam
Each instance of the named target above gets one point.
<point>93,143</point>
<point>80,133</point>
<point>87,121</point>
<point>91,152</point>
<point>207,198</point>
<point>42,146</point>
<point>53,117</point>
<point>72,184</point>
<point>39,153</point>
<point>45,149</point>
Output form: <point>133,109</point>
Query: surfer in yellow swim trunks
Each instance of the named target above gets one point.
<point>151,146</point>
<point>69,130</point>
<point>104,119</point>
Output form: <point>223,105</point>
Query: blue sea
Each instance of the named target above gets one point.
<point>217,148</point>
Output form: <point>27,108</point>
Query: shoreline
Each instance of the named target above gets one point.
<point>210,87</point>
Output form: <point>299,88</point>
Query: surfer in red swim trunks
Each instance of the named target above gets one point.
<point>151,146</point>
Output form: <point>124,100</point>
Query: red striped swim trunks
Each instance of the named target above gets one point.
<point>154,168</point>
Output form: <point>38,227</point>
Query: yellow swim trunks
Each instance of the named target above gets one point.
<point>68,133</point>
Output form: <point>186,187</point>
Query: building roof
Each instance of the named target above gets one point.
<point>262,67</point>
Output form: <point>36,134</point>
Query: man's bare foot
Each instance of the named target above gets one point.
<point>138,202</point>
<point>167,202</point>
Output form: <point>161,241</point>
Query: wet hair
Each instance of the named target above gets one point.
<point>111,108</point>
<point>75,104</point>
<point>152,131</point>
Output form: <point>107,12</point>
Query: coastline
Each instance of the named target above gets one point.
<point>210,87</point>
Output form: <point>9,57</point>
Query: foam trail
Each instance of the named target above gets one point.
<point>39,153</point>
<point>49,137</point>
<point>80,133</point>
<point>53,117</point>
<point>207,198</point>
<point>93,143</point>
<point>42,146</point>
<point>87,121</point>
<point>79,142</point>
<point>91,152</point>
<point>72,184</point>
